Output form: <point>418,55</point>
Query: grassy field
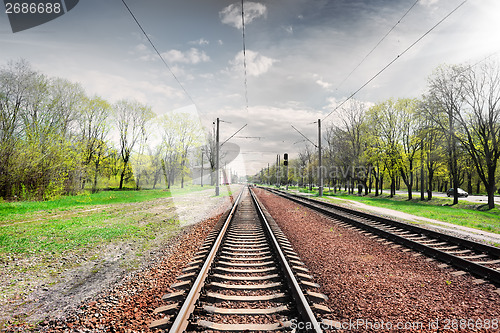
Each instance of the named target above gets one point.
<point>77,221</point>
<point>11,211</point>
<point>41,240</point>
<point>465,213</point>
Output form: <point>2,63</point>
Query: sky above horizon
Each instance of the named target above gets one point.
<point>298,54</point>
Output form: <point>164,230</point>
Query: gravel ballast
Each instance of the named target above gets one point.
<point>373,287</point>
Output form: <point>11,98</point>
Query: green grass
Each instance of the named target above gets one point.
<point>56,236</point>
<point>40,241</point>
<point>465,213</point>
<point>8,210</point>
<point>55,226</point>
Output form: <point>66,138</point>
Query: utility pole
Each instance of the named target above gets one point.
<point>285,162</point>
<point>319,160</point>
<point>217,159</point>
<point>201,167</point>
<point>277,163</point>
<point>279,170</point>
<point>422,195</point>
<point>268,179</point>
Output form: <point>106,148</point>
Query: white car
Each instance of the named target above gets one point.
<point>461,193</point>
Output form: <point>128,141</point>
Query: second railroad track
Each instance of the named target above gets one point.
<point>478,259</point>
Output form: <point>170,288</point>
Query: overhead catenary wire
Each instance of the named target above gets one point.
<point>379,42</point>
<point>159,54</point>
<point>233,134</point>
<point>394,60</point>
<point>305,137</point>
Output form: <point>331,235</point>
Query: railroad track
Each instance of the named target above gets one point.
<point>480,260</point>
<point>245,277</point>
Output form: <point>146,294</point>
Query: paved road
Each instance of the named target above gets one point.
<point>471,198</point>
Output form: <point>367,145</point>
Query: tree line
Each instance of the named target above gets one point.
<point>56,140</point>
<point>448,138</point>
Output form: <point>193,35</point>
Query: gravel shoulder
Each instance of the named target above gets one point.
<point>62,297</point>
<point>370,283</point>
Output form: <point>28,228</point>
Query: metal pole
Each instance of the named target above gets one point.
<point>279,170</point>
<point>217,159</point>
<point>202,168</point>
<point>268,179</point>
<point>286,176</point>
<point>320,167</point>
<point>277,163</point>
<point>422,193</point>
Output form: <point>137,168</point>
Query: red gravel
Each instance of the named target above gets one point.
<point>129,306</point>
<point>366,280</point>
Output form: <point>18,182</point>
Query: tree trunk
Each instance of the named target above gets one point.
<point>94,187</point>
<point>393,187</point>
<point>370,182</point>
<point>455,188</point>
<point>430,182</point>
<point>491,196</point>
<point>122,175</point>
<point>381,184</point>
<point>469,182</point>
<point>490,188</point>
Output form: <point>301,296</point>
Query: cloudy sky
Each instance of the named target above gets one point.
<point>298,54</point>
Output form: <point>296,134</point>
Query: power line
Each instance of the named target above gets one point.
<point>244,54</point>
<point>379,42</point>
<point>157,52</point>
<point>233,134</point>
<point>305,137</point>
<point>397,57</point>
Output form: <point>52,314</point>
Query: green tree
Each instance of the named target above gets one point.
<point>410,126</point>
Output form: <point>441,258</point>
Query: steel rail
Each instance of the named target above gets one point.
<point>494,251</point>
<point>182,319</point>
<point>472,267</point>
<point>300,300</point>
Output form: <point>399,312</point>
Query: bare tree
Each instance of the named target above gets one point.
<point>353,130</point>
<point>37,155</point>
<point>188,130</point>
<point>480,121</point>
<point>17,81</point>
<point>210,150</point>
<point>156,163</point>
<point>131,119</point>
<point>180,134</point>
<point>94,129</point>
<point>443,103</point>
